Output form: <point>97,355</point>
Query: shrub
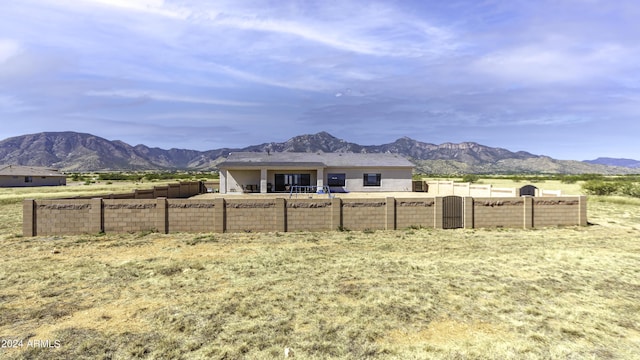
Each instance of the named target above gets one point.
<point>470,178</point>
<point>598,187</point>
<point>569,179</point>
<point>630,189</point>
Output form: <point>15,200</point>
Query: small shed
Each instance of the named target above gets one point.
<point>528,190</point>
<point>20,176</point>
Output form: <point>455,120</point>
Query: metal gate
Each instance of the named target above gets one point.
<point>528,190</point>
<point>452,212</point>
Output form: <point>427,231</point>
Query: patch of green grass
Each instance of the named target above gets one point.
<point>202,239</point>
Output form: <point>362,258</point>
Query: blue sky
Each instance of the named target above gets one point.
<point>553,77</point>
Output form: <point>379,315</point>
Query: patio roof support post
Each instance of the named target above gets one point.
<point>223,181</point>
<point>320,178</point>
<point>263,180</point>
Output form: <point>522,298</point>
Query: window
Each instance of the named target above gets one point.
<point>336,180</point>
<point>28,179</point>
<point>285,181</point>
<point>371,180</point>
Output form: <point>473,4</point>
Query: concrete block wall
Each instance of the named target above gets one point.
<point>558,211</point>
<point>361,214</point>
<point>160,191</point>
<point>78,216</point>
<point>144,194</point>
<point>529,212</point>
<point>59,217</point>
<point>185,215</point>
<point>309,215</point>
<point>131,215</point>
<point>172,191</point>
<point>252,215</point>
<point>498,212</point>
<point>415,212</point>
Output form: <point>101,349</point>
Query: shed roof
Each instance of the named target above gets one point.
<point>319,159</point>
<point>18,170</point>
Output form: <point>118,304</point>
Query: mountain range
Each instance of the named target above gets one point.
<point>74,152</point>
<point>630,163</point>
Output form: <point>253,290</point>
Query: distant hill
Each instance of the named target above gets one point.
<point>72,151</point>
<point>630,163</point>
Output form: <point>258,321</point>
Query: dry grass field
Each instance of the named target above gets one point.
<point>555,293</point>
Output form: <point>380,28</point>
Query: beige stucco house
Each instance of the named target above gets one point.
<point>341,172</point>
<point>16,175</point>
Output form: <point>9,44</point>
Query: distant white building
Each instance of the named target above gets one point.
<point>277,172</point>
<point>17,176</point>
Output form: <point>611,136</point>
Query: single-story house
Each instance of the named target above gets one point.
<point>278,172</point>
<point>16,175</point>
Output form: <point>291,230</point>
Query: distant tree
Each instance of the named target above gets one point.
<point>598,187</point>
<point>470,178</point>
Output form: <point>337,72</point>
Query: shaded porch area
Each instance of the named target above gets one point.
<point>270,180</point>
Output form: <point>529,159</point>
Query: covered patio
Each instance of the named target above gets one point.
<point>265,179</point>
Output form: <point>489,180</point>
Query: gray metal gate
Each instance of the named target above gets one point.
<point>452,212</point>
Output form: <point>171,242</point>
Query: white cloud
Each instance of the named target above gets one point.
<point>368,29</point>
<point>550,120</point>
<point>158,96</point>
<point>8,49</point>
<point>305,83</point>
<point>153,7</point>
<point>323,36</point>
<point>555,63</point>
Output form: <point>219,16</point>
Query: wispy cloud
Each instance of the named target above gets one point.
<point>298,83</point>
<point>368,29</point>
<point>542,63</point>
<point>158,96</point>
<point>10,104</point>
<point>152,7</point>
<point>548,120</point>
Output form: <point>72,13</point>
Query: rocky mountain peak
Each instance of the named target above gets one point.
<point>71,151</point>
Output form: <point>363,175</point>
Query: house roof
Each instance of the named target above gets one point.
<point>319,159</point>
<point>18,170</point>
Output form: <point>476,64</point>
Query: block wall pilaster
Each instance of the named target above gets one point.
<point>437,213</point>
<point>220,217</point>
<point>28,218</point>
<point>467,221</point>
<point>336,213</point>
<point>528,212</point>
<point>390,213</point>
<point>96,215</point>
<point>281,214</point>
